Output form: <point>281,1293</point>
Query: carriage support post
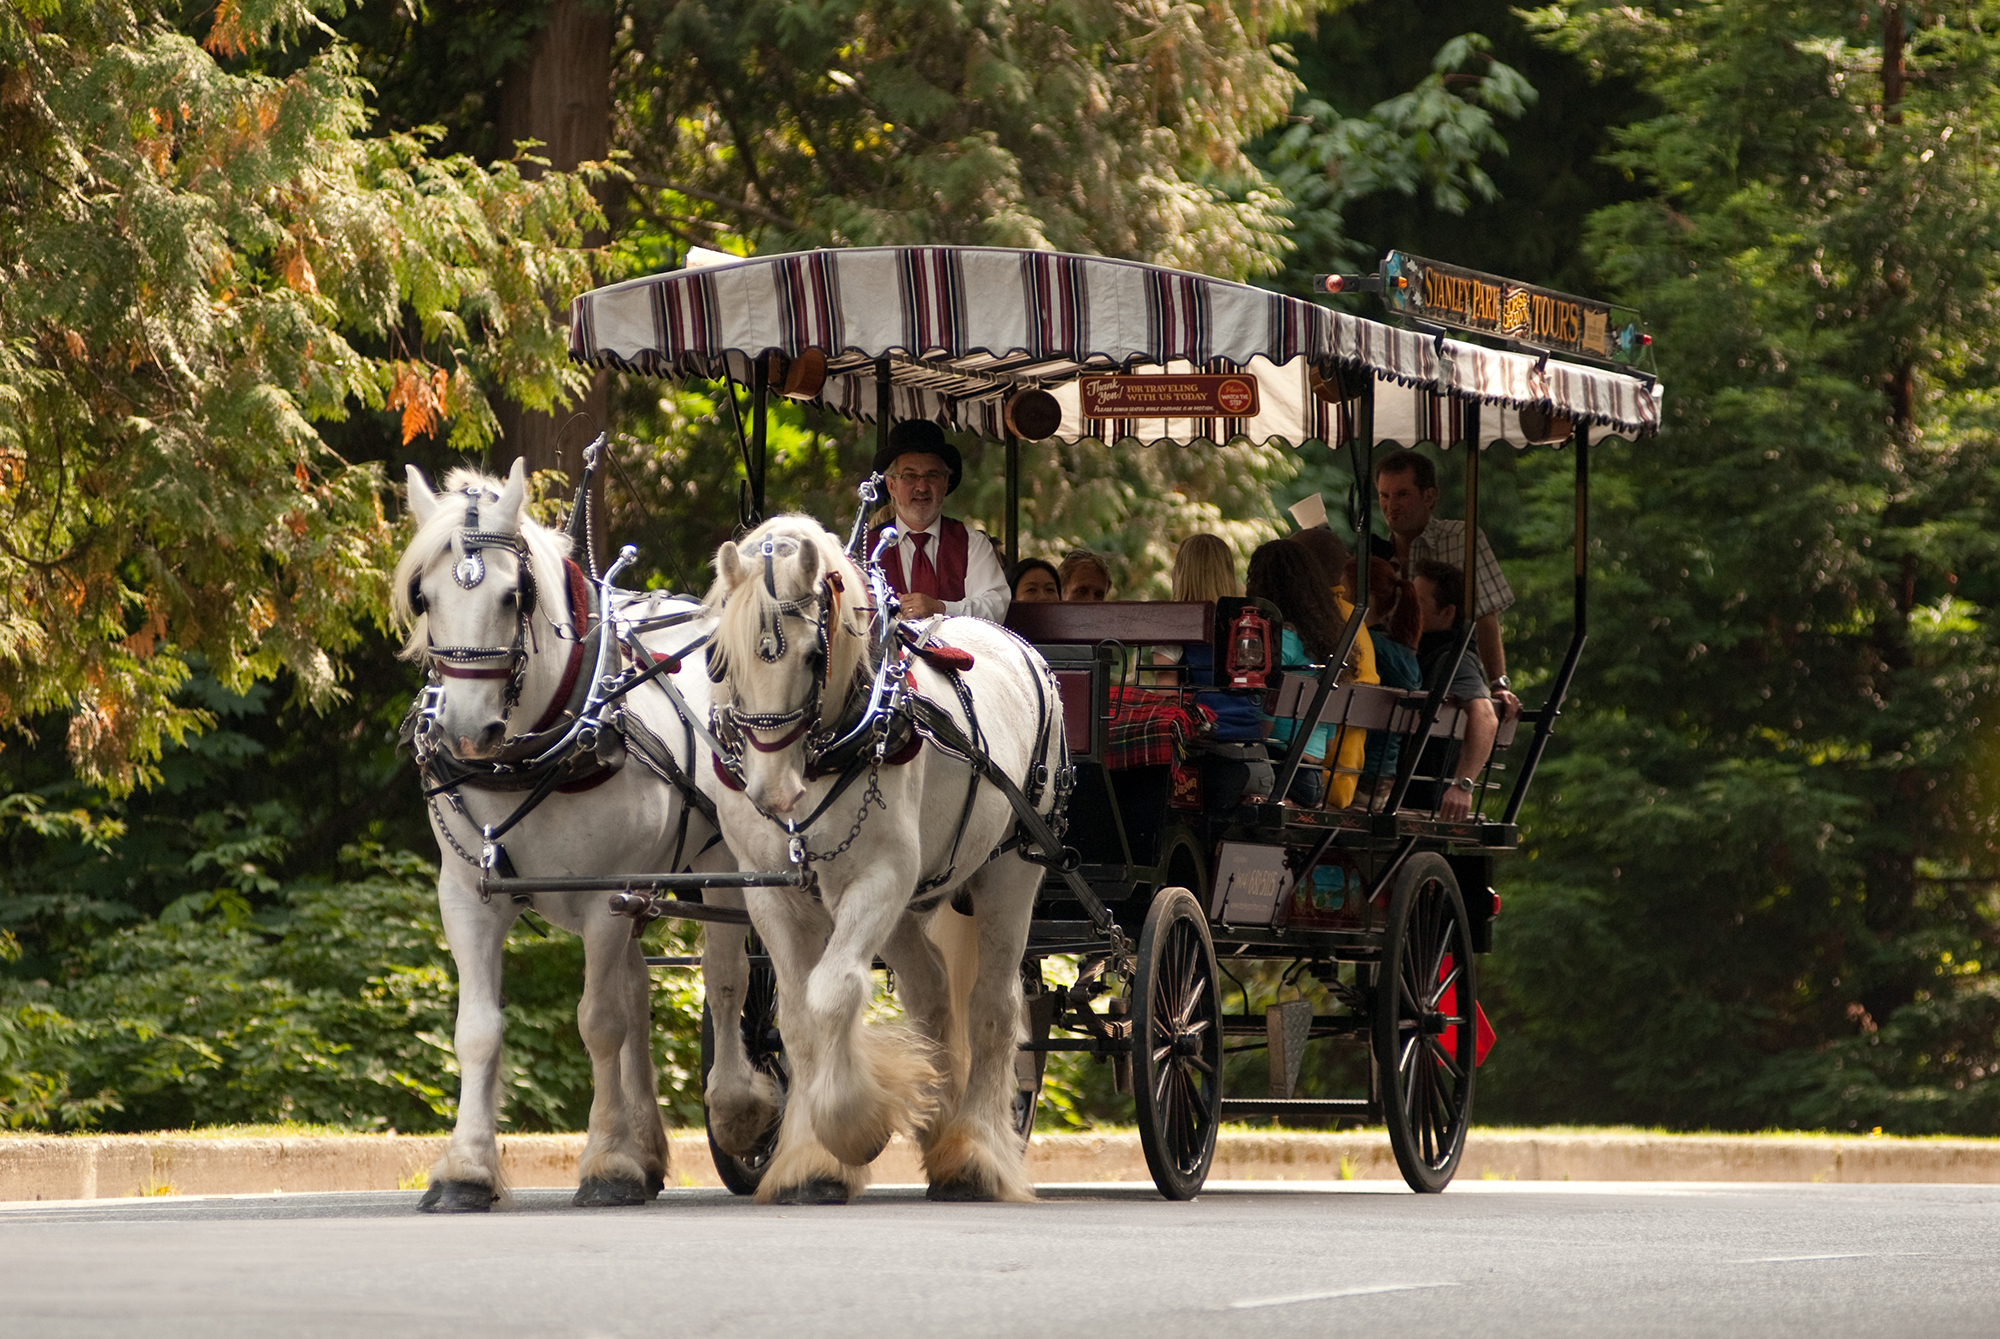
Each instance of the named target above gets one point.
<point>760,409</point>
<point>885,402</point>
<point>1304,729</point>
<point>1406,769</point>
<point>1545,722</point>
<point>1013,499</point>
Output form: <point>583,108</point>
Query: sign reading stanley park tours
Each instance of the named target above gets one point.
<point>1471,300</point>
<point>1174,395</point>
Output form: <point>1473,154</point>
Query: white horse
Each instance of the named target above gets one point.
<point>897,844</point>
<point>498,615</point>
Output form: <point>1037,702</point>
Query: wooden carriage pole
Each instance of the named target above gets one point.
<point>1406,768</point>
<point>885,403</point>
<point>1545,719</point>
<point>1471,610</point>
<point>1013,499</point>
<point>760,410</point>
<point>1305,727</point>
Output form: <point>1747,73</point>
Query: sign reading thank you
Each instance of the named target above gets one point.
<point>1192,395</point>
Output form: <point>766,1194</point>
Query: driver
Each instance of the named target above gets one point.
<point>934,564</point>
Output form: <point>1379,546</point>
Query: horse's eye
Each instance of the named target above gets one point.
<point>508,600</point>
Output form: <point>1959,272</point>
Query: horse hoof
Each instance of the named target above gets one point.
<point>960,1191</point>
<point>816,1190</point>
<point>655,1183</point>
<point>457,1197</point>
<point>606,1192</point>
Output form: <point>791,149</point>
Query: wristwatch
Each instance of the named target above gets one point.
<point>1463,783</point>
<point>1500,683</point>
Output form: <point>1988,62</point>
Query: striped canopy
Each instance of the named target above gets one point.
<point>963,328</point>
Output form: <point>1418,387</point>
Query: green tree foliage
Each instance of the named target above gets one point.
<point>1761,891</point>
<point>331,1005</point>
<point>1099,127</point>
<point>1430,139</point>
<point>202,260</point>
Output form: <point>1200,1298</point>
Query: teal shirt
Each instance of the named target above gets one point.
<point>1292,656</point>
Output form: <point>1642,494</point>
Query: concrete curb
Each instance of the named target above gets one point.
<point>115,1166</point>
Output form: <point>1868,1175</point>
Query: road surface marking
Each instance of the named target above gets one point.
<point>1294,1298</point>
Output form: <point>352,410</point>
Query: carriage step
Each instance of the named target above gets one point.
<point>1301,1108</point>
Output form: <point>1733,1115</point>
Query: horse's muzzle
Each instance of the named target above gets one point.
<point>487,744</point>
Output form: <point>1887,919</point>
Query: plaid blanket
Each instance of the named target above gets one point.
<point>1150,729</point>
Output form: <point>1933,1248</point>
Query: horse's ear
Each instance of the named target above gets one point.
<point>508,509</point>
<point>809,560</point>
<point>423,502</point>
<point>728,566</point>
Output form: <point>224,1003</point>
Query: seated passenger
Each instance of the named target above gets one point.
<point>1291,579</point>
<point>1034,581</point>
<point>1203,571</point>
<point>1395,623</point>
<point>1231,758</point>
<point>1084,576</point>
<point>1440,591</point>
<point>1350,757</point>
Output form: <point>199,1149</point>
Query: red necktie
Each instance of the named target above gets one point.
<point>923,576</point>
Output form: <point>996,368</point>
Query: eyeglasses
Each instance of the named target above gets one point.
<point>909,478</point>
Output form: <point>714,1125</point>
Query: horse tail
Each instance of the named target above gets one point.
<point>957,939</point>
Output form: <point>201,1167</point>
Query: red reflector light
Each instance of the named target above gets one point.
<point>1496,904</point>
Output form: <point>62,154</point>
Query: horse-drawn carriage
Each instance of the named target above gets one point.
<point>1075,830</point>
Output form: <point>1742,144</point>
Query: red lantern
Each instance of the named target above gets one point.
<point>1250,638</point>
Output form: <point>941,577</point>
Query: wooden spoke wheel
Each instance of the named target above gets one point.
<point>1177,1044</point>
<point>1038,1010</point>
<point>1426,997</point>
<point>766,1050</point>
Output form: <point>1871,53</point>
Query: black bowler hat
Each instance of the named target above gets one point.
<point>920,436</point>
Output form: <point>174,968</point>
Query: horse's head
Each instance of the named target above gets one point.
<point>788,644</point>
<point>467,587</point>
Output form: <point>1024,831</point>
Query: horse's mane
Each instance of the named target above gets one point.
<point>546,551</point>
<point>738,621</point>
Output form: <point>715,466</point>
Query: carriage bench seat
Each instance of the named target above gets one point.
<point>1133,622</point>
<point>1068,633</point>
<point>1373,707</point>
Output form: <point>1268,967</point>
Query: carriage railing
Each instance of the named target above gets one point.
<point>1376,716</point>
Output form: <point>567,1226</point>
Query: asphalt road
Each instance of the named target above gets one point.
<point>1360,1258</point>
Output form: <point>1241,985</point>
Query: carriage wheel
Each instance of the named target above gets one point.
<point>1177,1044</point>
<point>767,1053</point>
<point>1425,996</point>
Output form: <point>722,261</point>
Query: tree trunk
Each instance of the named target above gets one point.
<point>561,96</point>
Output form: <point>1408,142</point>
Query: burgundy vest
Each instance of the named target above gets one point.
<point>950,558</point>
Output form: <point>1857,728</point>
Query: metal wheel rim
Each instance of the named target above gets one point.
<point>1432,1081</point>
<point>1183,1066</point>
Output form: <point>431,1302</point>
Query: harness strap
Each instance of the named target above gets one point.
<point>579,598</point>
<point>976,746</point>
<point>653,752</point>
<point>944,732</point>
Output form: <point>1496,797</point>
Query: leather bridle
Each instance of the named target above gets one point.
<point>735,728</point>
<point>469,662</point>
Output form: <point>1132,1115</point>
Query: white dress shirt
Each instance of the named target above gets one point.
<point>986,592</point>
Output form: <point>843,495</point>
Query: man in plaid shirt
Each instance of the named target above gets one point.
<point>1406,487</point>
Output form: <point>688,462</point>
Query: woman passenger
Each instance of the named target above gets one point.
<point>1034,580</point>
<point>1290,577</point>
<point>1231,762</point>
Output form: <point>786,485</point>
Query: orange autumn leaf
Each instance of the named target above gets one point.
<point>420,398</point>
